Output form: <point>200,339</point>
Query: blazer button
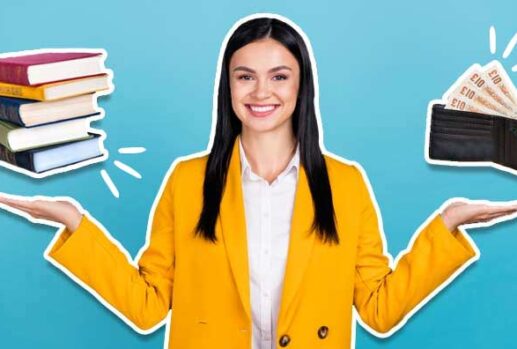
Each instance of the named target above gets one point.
<point>284,340</point>
<point>323,332</point>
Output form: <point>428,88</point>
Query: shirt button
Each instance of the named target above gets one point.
<point>266,252</point>
<point>323,331</point>
<point>284,340</point>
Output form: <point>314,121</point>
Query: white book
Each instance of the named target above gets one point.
<point>78,153</point>
<point>31,113</point>
<point>17,138</point>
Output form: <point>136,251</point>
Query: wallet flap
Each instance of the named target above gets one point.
<point>462,136</point>
<point>457,135</point>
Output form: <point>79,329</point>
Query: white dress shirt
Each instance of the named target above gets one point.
<point>268,211</point>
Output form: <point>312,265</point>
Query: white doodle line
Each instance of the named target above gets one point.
<point>392,263</point>
<point>109,182</point>
<point>131,150</point>
<point>510,46</point>
<point>128,169</point>
<point>492,39</point>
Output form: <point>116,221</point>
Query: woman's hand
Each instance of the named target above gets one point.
<point>458,213</point>
<point>62,211</point>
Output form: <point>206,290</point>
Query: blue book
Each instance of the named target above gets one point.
<point>28,113</point>
<point>43,159</point>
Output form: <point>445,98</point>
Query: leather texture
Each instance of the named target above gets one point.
<point>466,136</point>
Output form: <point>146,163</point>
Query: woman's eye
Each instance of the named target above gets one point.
<point>249,77</point>
<point>280,77</point>
<point>245,77</point>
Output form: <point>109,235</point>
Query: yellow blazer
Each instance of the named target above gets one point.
<point>207,285</point>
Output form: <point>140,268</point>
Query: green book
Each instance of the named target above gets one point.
<point>17,138</point>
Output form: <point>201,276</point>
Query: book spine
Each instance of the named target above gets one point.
<point>19,91</point>
<point>21,159</point>
<point>10,112</point>
<point>14,74</point>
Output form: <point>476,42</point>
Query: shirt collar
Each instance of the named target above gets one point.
<point>293,163</point>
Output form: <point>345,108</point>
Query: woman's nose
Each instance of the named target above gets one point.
<point>262,89</point>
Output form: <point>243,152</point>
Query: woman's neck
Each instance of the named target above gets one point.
<point>268,153</point>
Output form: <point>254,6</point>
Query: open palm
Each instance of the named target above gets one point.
<point>68,212</point>
<point>469,212</point>
<point>45,210</point>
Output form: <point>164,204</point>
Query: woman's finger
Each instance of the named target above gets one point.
<point>502,207</point>
<point>492,216</point>
<point>19,203</point>
<point>21,208</point>
<point>500,211</point>
<point>483,211</point>
<point>34,213</point>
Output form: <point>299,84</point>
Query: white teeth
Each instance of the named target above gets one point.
<point>262,109</point>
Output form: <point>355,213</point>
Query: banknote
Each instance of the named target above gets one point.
<point>489,88</point>
<point>497,75</point>
<point>467,91</point>
<point>484,89</point>
<point>464,104</point>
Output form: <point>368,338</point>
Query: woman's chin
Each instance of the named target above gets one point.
<point>262,126</point>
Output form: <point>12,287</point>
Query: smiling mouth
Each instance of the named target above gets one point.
<point>261,110</point>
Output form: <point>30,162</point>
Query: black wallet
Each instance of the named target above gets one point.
<point>466,136</point>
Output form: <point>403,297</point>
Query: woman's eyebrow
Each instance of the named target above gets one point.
<point>272,70</point>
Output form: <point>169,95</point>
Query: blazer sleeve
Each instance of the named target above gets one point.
<point>384,295</point>
<point>140,291</point>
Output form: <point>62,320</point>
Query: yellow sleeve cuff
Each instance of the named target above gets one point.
<point>70,243</point>
<point>456,240</point>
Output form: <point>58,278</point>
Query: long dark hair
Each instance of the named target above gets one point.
<point>304,122</point>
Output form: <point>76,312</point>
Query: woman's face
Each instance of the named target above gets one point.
<point>264,81</point>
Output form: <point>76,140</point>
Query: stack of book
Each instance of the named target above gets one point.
<point>47,101</point>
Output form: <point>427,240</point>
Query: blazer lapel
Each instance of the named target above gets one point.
<point>233,227</point>
<point>301,242</point>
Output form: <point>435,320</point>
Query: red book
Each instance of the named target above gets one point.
<point>40,68</point>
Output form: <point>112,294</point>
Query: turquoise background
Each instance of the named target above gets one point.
<point>379,65</point>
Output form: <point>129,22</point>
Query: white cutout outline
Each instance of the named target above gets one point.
<point>111,88</point>
<point>134,262</point>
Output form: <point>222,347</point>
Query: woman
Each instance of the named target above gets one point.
<point>264,241</point>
